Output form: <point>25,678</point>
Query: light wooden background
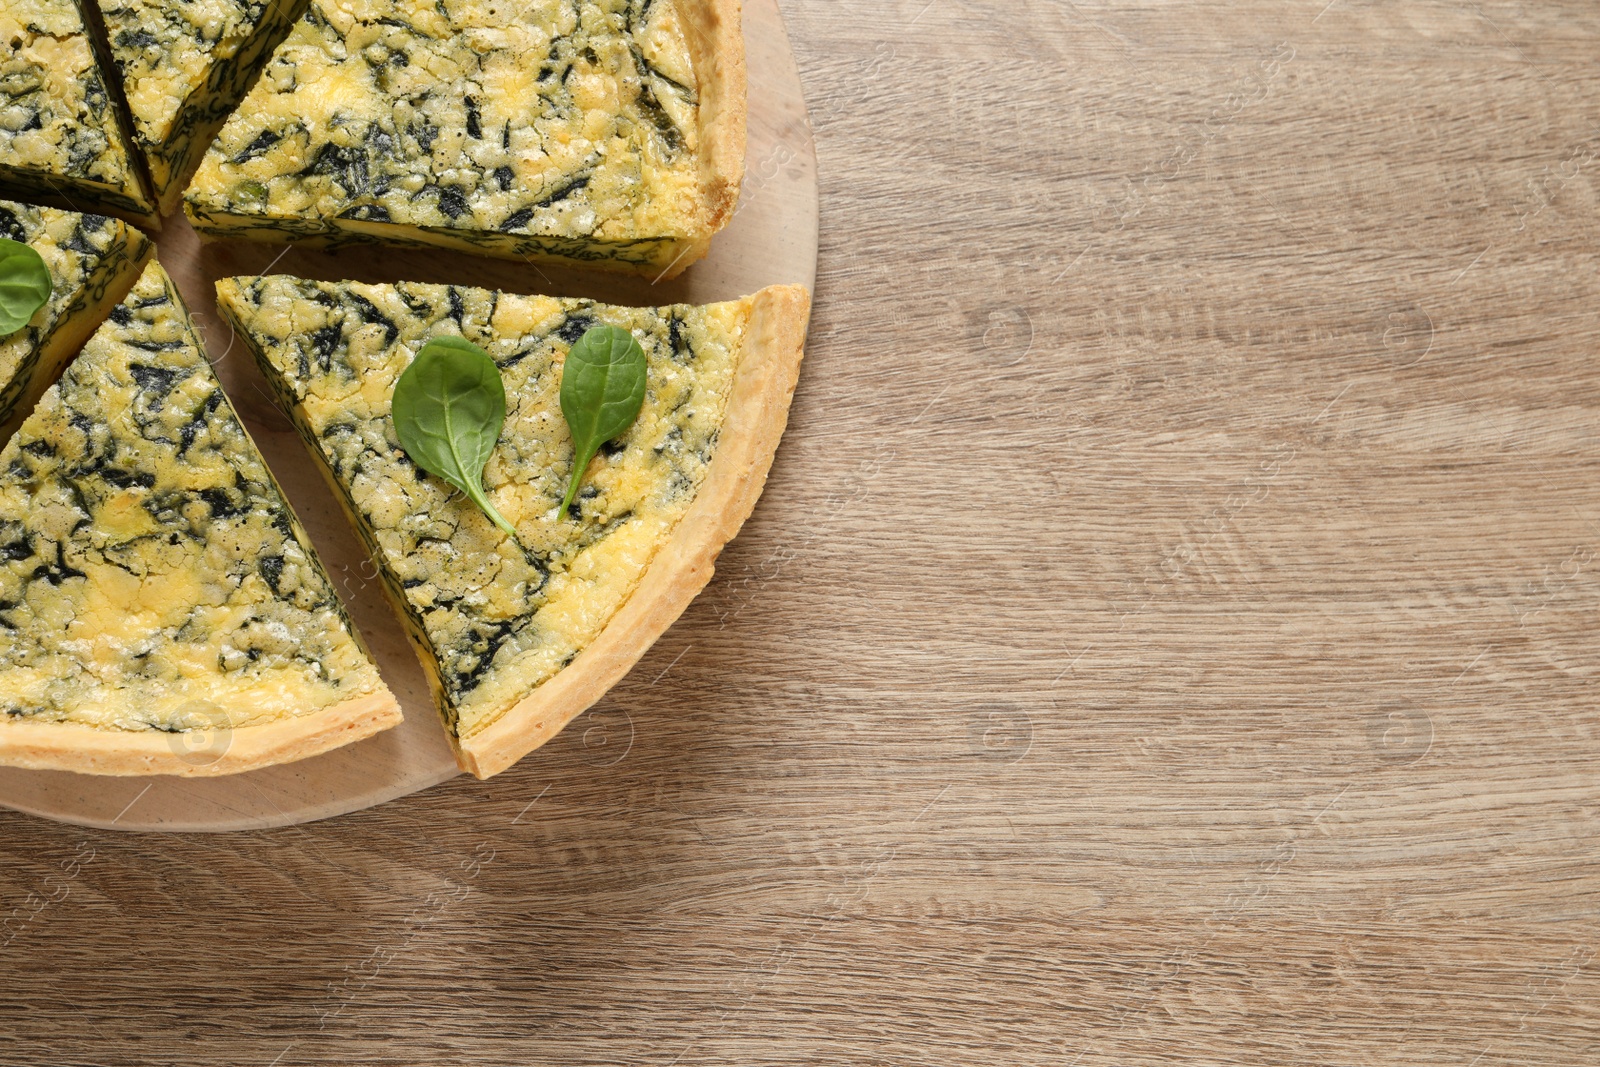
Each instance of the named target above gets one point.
<point>1168,635</point>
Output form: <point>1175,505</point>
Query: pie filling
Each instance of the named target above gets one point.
<point>93,261</point>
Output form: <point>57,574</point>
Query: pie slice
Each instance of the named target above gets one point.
<point>161,611</point>
<point>185,64</point>
<point>520,635</point>
<point>608,131</point>
<point>93,262</point>
<point>61,140</point>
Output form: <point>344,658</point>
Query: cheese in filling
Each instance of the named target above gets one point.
<point>518,128</point>
<point>492,616</point>
<point>93,262</point>
<point>185,64</point>
<point>60,138</point>
<point>152,576</point>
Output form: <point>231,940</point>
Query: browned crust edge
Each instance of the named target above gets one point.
<point>758,410</point>
<point>90,750</point>
<point>722,110</point>
<point>716,38</point>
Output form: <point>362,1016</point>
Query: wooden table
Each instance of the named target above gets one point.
<point>1168,635</point>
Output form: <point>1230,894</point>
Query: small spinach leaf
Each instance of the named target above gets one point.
<point>24,285</point>
<point>602,390</point>
<point>448,408</point>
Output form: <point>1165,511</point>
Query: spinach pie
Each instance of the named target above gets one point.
<point>520,633</point>
<point>605,132</point>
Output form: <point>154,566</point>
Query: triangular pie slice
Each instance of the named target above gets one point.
<point>520,635</point>
<point>161,611</point>
<point>62,141</point>
<point>610,132</point>
<point>185,65</point>
<point>93,261</point>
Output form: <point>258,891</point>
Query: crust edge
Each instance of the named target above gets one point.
<point>723,110</point>
<point>758,411</point>
<point>90,750</point>
<point>716,33</point>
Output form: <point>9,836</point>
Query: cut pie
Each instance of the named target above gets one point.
<point>520,635</point>
<point>602,131</point>
<point>161,611</point>
<point>185,64</point>
<point>61,140</point>
<point>93,262</point>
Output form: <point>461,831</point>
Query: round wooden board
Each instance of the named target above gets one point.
<point>772,239</point>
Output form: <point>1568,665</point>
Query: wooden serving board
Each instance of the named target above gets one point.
<point>772,239</point>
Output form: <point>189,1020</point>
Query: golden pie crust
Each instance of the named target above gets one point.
<point>758,410</point>
<point>93,750</point>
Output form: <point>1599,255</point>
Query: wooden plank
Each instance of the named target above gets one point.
<point>1167,636</point>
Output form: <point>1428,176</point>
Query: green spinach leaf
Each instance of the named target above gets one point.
<point>448,408</point>
<point>24,285</point>
<point>602,390</point>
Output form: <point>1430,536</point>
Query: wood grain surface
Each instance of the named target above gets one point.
<point>1168,635</point>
